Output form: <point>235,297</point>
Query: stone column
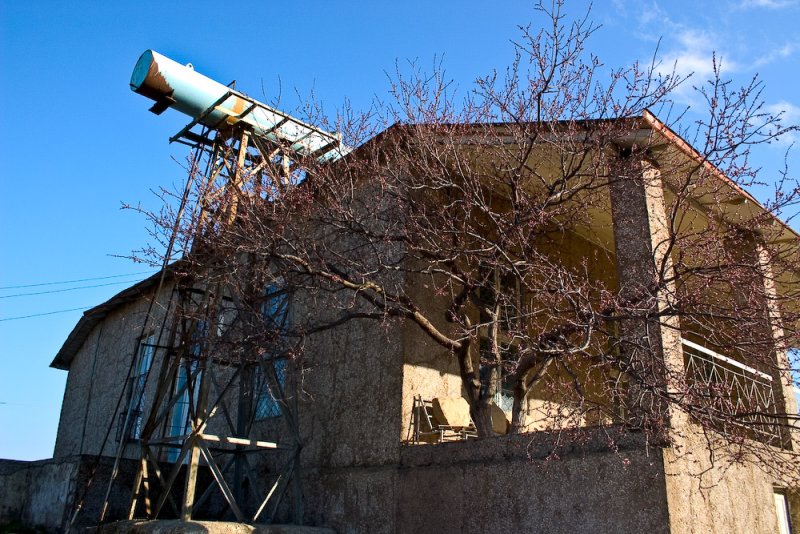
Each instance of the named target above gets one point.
<point>652,344</point>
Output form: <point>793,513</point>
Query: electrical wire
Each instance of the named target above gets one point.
<point>41,314</point>
<point>76,281</point>
<point>67,289</point>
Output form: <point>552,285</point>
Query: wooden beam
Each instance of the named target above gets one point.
<point>239,441</point>
<point>226,490</point>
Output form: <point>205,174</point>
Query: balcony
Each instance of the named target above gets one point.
<point>729,395</point>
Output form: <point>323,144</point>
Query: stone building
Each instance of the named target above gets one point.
<point>366,385</point>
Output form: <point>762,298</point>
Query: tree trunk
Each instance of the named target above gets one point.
<point>482,416</point>
<point>527,375</point>
<point>519,412</point>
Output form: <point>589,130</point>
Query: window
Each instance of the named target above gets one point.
<point>179,424</point>
<point>782,511</point>
<point>133,415</point>
<point>187,372</point>
<point>275,307</point>
<point>267,404</point>
<point>504,290</point>
<point>275,314</point>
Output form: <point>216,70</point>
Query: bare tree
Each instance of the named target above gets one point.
<point>486,222</point>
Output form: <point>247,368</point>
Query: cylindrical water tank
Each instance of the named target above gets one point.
<point>178,86</point>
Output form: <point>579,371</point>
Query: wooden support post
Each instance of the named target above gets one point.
<point>137,487</point>
<point>194,458</point>
<point>236,184</point>
<point>211,487</point>
<point>166,486</point>
<point>148,454</point>
<point>146,480</point>
<point>135,491</point>
<point>187,506</point>
<point>223,486</point>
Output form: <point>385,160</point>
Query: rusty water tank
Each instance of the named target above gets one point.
<point>172,85</point>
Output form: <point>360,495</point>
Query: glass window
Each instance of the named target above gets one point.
<point>275,314</point>
<point>133,415</point>
<point>782,510</point>
<point>267,404</point>
<point>179,421</point>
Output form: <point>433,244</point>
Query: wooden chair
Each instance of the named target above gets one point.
<point>430,421</point>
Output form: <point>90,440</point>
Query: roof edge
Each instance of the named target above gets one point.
<point>92,317</point>
<point>675,138</point>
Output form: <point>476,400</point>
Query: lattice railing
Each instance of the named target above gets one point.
<point>730,392</point>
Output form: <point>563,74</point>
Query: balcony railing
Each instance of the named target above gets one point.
<point>731,393</point>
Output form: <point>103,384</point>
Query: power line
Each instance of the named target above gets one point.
<point>75,281</point>
<point>41,314</point>
<point>67,289</point>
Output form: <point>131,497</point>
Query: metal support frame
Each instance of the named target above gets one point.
<point>240,158</point>
<point>237,158</point>
<point>272,134</point>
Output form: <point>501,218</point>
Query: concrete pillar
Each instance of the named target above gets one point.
<point>706,490</point>
<point>782,377</point>
<point>642,237</point>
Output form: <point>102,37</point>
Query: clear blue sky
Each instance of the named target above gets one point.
<point>75,142</point>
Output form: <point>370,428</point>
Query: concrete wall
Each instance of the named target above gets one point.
<point>13,490</point>
<point>43,494</point>
<point>350,420</point>
<point>502,484</point>
<point>350,396</point>
<point>37,493</point>
<point>716,494</point>
<point>97,378</point>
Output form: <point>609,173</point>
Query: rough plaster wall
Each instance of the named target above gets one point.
<point>492,485</point>
<point>430,383</point>
<point>349,411</point>
<point>93,390</point>
<point>505,485</point>
<point>42,494</point>
<point>76,400</point>
<point>350,382</point>
<point>13,485</point>
<point>354,500</point>
<point>350,405</point>
<point>50,489</point>
<point>716,497</point>
<point>36,493</point>
<point>429,369</point>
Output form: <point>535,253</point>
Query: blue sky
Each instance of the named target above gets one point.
<point>76,143</point>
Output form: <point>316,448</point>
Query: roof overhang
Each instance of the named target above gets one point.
<point>94,316</point>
